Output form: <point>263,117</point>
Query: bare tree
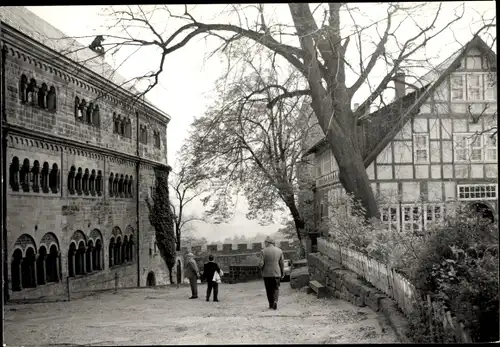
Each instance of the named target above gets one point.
<point>243,146</point>
<point>320,57</point>
<point>186,186</point>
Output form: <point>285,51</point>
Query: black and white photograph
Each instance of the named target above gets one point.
<point>249,173</point>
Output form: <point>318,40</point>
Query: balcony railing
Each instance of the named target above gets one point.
<point>329,178</point>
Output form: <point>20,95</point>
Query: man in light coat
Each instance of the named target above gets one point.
<point>191,273</point>
<point>272,265</point>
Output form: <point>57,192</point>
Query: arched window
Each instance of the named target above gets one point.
<point>28,269</point>
<point>117,251</point>
<point>89,266</point>
<point>42,96</point>
<point>81,110</point>
<point>80,259</point>
<point>125,250</point>
<point>14,174</point>
<point>115,123</point>
<point>15,270</point>
<point>52,100</point>
<point>89,112</point>
<point>23,87</point>
<point>52,264</point>
<point>78,112</point>
<point>85,182</point>
<point>110,184</point>
<point>25,175</point>
<point>111,251</point>
<point>130,181</point>
<point>35,176</point>
<point>115,185</point>
<point>122,127</point>
<point>78,181</point>
<point>71,180</point>
<point>44,177</point>
<point>96,117</point>
<point>120,186</point>
<point>125,186</point>
<point>41,273</point>
<point>54,179</point>
<point>97,255</point>
<point>92,183</point>
<point>32,92</point>
<point>99,183</point>
<point>129,128</point>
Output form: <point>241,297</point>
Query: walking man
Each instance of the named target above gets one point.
<point>209,269</point>
<point>272,265</point>
<point>191,273</point>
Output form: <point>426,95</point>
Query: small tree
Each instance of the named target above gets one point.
<point>161,218</point>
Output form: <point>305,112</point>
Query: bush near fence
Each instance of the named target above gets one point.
<point>395,286</point>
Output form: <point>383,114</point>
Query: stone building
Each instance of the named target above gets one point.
<point>423,160</point>
<point>79,153</point>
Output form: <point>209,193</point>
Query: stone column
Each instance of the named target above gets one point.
<point>58,257</point>
<point>73,265</point>
<point>90,258</point>
<point>21,274</point>
<point>44,259</point>
<point>84,260</point>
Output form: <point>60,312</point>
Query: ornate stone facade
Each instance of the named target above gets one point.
<point>78,166</point>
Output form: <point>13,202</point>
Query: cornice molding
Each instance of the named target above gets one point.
<point>32,137</point>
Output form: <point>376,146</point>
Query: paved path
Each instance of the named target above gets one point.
<point>166,316</point>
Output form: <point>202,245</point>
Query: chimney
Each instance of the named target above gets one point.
<point>399,84</point>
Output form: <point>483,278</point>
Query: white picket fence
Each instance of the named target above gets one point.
<point>390,282</point>
<point>378,274</point>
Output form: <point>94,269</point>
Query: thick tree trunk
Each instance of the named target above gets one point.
<point>352,172</point>
<point>297,219</point>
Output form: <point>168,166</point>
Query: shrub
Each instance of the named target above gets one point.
<point>459,267</point>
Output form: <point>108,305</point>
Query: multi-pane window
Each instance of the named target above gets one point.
<point>473,86</point>
<point>475,147</point>
<point>477,191</point>
<point>390,217</point>
<point>457,87</point>
<point>434,213</point>
<point>412,218</point>
<point>421,148</point>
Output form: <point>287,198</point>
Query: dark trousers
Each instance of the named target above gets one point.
<point>215,286</point>
<point>194,285</point>
<point>272,289</point>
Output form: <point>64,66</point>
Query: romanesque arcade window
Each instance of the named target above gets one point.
<point>42,96</point>
<point>87,113</point>
<point>85,255</point>
<point>121,247</point>
<point>32,266</point>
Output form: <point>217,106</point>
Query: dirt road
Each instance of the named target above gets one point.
<point>167,316</point>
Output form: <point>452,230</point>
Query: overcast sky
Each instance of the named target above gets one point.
<point>185,87</point>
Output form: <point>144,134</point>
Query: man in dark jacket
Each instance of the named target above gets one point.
<point>209,270</point>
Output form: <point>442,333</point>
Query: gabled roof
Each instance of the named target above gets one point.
<point>28,23</point>
<point>384,124</point>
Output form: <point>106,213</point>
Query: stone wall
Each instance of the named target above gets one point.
<point>346,285</point>
<point>243,273</point>
<point>225,261</point>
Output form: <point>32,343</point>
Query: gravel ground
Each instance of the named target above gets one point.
<point>166,316</point>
